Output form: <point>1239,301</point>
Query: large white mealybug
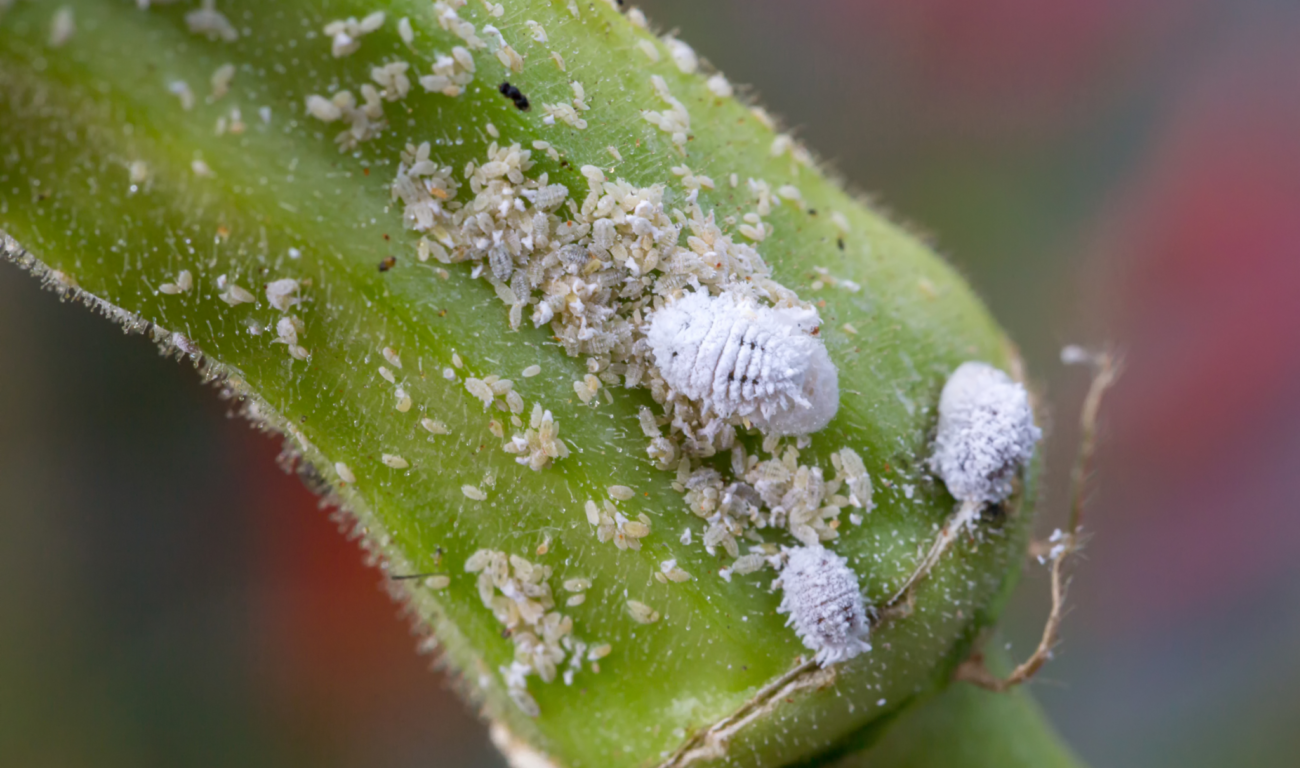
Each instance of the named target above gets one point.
<point>735,356</point>
<point>821,594</point>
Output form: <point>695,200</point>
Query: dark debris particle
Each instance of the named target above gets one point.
<point>515,95</point>
<point>388,263</point>
<point>840,242</point>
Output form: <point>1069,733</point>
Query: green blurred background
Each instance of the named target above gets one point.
<point>1124,170</point>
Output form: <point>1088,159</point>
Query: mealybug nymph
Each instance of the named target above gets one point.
<point>740,358</point>
<point>821,594</point>
<point>986,436</point>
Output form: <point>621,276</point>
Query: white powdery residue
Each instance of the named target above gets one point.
<point>323,109</point>
<point>451,74</point>
<point>220,81</point>
<point>790,192</point>
<point>738,357</point>
<point>540,444</point>
<point>211,23</point>
<point>587,389</point>
<point>138,172</point>
<point>782,144</point>
<point>282,294</point>
<point>392,80</point>
<point>366,120</point>
<point>181,90</point>
<point>564,113</point>
<point>1073,354</point>
<point>719,86</point>
<point>536,31</point>
<point>750,563</point>
<point>184,281</point>
<point>345,34</point>
<point>986,434</point>
<point>403,400</point>
<point>579,96</point>
<point>482,390</point>
<point>233,294</point>
<point>824,601</point>
<point>675,120</point>
<point>287,330</point>
<point>577,584</point>
<point>670,572</point>
<point>613,525</point>
<point>449,20</point>
<point>683,55</point>
<point>642,613</point>
<point>852,471</point>
<point>649,49</point>
<point>825,278</point>
<point>507,55</point>
<point>518,593</point>
<point>62,27</point>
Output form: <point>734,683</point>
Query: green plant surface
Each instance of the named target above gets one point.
<point>963,726</point>
<point>73,120</point>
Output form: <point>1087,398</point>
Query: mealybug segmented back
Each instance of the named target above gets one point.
<point>822,596</point>
<point>738,357</point>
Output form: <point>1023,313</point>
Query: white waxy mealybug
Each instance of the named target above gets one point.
<point>740,358</point>
<point>986,436</point>
<point>821,594</point>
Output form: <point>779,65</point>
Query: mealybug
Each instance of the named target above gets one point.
<point>740,358</point>
<point>822,596</point>
<point>986,434</point>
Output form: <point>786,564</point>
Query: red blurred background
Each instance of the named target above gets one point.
<point>1101,170</point>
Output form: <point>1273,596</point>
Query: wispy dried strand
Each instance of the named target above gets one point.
<point>1107,368</point>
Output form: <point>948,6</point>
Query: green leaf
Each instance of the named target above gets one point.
<point>113,188</point>
<point>965,727</point>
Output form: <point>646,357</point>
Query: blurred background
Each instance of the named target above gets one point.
<point>1123,170</point>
